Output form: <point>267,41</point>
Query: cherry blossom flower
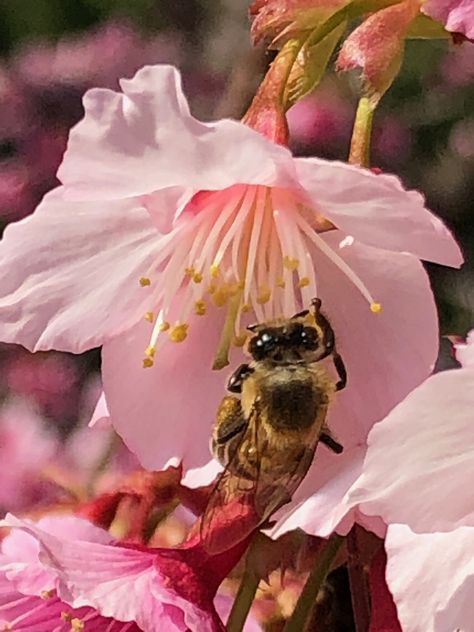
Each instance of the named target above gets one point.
<point>169,235</point>
<point>456,15</point>
<point>67,565</point>
<point>429,438</point>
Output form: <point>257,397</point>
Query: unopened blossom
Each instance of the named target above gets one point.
<point>168,236</point>
<point>456,15</point>
<point>70,566</point>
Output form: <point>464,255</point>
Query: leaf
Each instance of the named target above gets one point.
<point>310,65</point>
<point>424,27</point>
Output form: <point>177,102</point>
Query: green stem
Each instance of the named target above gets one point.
<point>361,134</point>
<point>101,465</point>
<point>314,583</point>
<point>243,601</point>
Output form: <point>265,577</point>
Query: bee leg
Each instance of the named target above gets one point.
<point>326,437</point>
<point>234,385</point>
<point>341,371</point>
<point>228,428</point>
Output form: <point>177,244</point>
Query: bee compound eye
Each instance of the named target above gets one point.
<point>309,338</point>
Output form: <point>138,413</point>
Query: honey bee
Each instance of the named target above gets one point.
<point>265,435</point>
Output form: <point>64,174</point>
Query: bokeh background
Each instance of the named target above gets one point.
<point>52,51</point>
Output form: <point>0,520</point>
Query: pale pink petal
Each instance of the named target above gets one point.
<point>164,413</point>
<point>101,415</point>
<point>19,557</point>
<point>377,210</point>
<point>421,456</point>
<point>386,354</point>
<point>70,273</point>
<point>465,351</point>
<point>457,15</point>
<point>145,140</point>
<point>431,578</point>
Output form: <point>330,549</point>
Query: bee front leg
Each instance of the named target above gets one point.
<point>234,385</point>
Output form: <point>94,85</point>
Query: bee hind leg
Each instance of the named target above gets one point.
<point>228,428</point>
<point>327,438</point>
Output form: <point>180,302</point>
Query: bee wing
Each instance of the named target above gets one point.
<point>230,515</point>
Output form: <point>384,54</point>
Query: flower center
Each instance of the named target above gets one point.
<point>248,247</point>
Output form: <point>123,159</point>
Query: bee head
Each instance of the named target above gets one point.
<point>306,337</point>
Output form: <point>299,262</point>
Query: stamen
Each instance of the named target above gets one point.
<point>281,282</point>
<point>144,281</point>
<point>228,332</point>
<point>200,308</point>
<point>337,260</point>
<point>164,326</point>
<point>221,295</point>
<point>376,308</point>
<point>197,277</point>
<point>264,295</point>
<point>150,351</point>
<point>304,282</point>
<point>47,594</point>
<point>215,270</point>
<point>77,625</point>
<point>150,317</point>
<point>240,339</point>
<point>148,363</point>
<point>246,307</point>
<point>290,263</point>
<point>179,332</point>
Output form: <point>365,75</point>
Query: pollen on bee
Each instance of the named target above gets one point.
<point>150,317</point>
<point>164,326</point>
<point>304,282</point>
<point>376,308</point>
<point>200,308</point>
<point>290,263</point>
<point>179,332</point>
<point>264,295</point>
<point>215,270</point>
<point>144,281</point>
<point>148,363</point>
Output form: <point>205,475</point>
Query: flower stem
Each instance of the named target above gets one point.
<point>358,583</point>
<point>361,134</point>
<point>243,601</point>
<point>314,583</point>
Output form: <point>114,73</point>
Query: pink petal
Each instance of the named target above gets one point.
<point>377,210</point>
<point>145,140</point>
<point>70,273</point>
<point>101,415</point>
<point>457,15</point>
<point>429,438</point>
<point>465,352</point>
<point>164,413</point>
<point>431,577</point>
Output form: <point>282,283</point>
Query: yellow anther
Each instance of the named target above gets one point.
<point>290,263</point>
<point>233,289</point>
<point>246,307</point>
<point>47,594</point>
<point>197,277</point>
<point>221,295</point>
<point>212,287</point>
<point>147,363</point>
<point>239,340</point>
<point>304,282</point>
<point>150,317</point>
<point>189,271</point>
<point>376,308</point>
<point>77,625</point>
<point>200,308</point>
<point>179,332</point>
<point>66,616</point>
<point>241,285</point>
<point>165,326</point>
<point>150,351</point>
<point>215,270</point>
<point>281,282</point>
<point>144,281</point>
<point>264,295</point>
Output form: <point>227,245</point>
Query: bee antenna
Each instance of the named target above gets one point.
<point>305,312</point>
<point>316,303</point>
<point>252,327</point>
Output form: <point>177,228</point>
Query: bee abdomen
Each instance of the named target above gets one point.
<point>293,404</point>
